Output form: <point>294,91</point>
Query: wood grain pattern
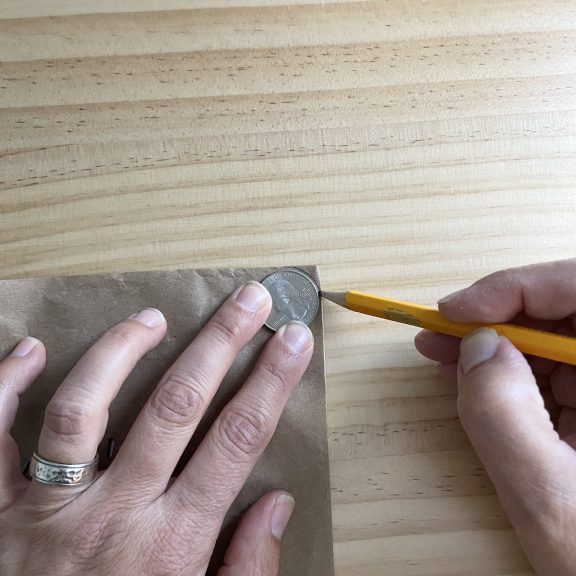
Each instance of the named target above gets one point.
<point>407,147</point>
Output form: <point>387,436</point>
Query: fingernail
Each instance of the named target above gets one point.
<point>296,335</point>
<point>150,317</point>
<point>477,347</point>
<point>281,515</point>
<point>25,347</point>
<point>252,296</point>
<point>449,297</point>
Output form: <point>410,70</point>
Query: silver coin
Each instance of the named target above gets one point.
<point>294,297</point>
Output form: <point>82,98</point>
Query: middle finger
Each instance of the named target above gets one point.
<point>169,418</point>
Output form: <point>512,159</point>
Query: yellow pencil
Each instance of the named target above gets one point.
<point>527,340</point>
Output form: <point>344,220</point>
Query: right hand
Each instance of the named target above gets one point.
<point>502,407</point>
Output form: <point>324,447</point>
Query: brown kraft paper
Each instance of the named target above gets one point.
<point>69,313</point>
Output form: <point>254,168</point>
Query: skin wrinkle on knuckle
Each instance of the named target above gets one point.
<point>484,292</point>
<point>274,375</point>
<point>226,328</point>
<point>181,398</point>
<point>122,340</point>
<point>478,406</point>
<point>90,393</point>
<point>472,415</point>
<point>502,279</point>
<point>242,432</point>
<point>124,336</point>
<point>67,417</point>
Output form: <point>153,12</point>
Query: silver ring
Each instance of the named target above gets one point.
<point>49,472</point>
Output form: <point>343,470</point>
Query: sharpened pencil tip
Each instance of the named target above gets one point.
<point>336,297</point>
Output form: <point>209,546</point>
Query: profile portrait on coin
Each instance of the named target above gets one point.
<point>286,299</point>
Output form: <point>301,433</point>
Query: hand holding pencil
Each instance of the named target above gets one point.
<point>524,431</point>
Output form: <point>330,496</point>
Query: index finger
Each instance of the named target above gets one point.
<point>543,291</point>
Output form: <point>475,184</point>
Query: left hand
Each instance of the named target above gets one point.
<point>131,521</point>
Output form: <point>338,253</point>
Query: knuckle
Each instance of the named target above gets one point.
<point>479,413</point>
<point>243,432</point>
<point>67,417</point>
<point>274,375</point>
<point>502,281</point>
<point>181,398</point>
<point>122,335</point>
<point>465,411</point>
<point>225,328</point>
<point>124,338</point>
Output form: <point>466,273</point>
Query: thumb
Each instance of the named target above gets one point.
<point>503,413</point>
<point>255,546</point>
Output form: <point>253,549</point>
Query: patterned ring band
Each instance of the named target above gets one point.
<point>49,472</point>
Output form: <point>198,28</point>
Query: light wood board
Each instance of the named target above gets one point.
<point>406,146</point>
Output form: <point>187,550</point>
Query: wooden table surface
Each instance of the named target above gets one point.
<point>406,146</point>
